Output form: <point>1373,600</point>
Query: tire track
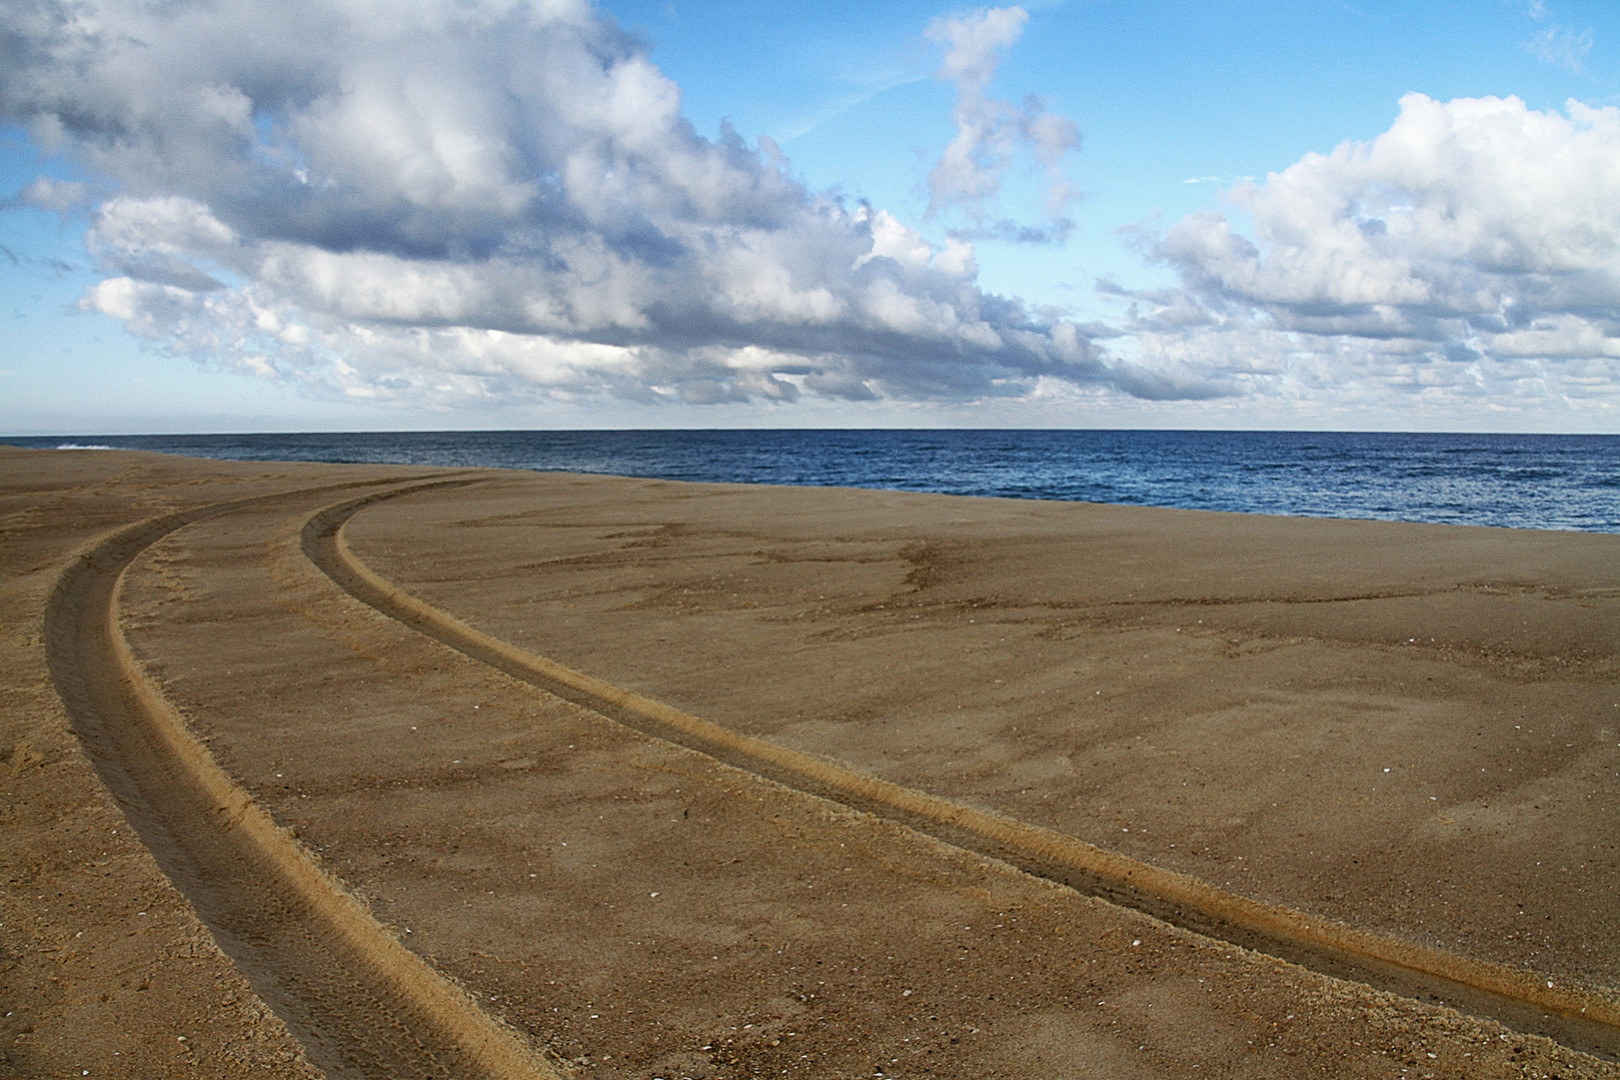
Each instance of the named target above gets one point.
<point>1524,1000</point>
<point>359,1001</point>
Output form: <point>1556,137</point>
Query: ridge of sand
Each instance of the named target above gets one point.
<point>1524,999</point>
<point>361,1002</point>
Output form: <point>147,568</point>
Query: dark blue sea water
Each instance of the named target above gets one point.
<point>1522,481</point>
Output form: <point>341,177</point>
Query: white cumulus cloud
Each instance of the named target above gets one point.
<point>1474,247</point>
<point>453,199</point>
<point>989,131</point>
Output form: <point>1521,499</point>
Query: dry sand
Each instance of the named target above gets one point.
<point>1409,735</point>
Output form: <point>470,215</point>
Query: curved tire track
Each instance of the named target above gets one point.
<point>359,1001</point>
<point>1521,999</point>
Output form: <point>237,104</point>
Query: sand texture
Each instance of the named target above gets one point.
<point>399,772</point>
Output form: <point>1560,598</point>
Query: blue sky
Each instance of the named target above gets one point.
<point>490,214</point>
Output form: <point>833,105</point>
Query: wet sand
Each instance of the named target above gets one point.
<point>1411,732</point>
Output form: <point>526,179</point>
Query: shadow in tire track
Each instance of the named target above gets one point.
<point>361,1004</point>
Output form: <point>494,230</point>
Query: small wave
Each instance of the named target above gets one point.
<point>84,446</point>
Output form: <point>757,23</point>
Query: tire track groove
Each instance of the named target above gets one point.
<point>1527,1001</point>
<point>360,1002</point>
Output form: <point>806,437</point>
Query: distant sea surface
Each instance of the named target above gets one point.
<point>1519,481</point>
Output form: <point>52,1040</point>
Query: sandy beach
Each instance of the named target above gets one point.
<point>361,771</point>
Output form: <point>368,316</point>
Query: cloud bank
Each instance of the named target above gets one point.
<point>457,200</point>
<point>1472,251</point>
<point>469,203</point>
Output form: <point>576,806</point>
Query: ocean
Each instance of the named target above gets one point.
<point>1518,481</point>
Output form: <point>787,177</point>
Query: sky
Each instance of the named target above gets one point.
<point>224,215</point>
